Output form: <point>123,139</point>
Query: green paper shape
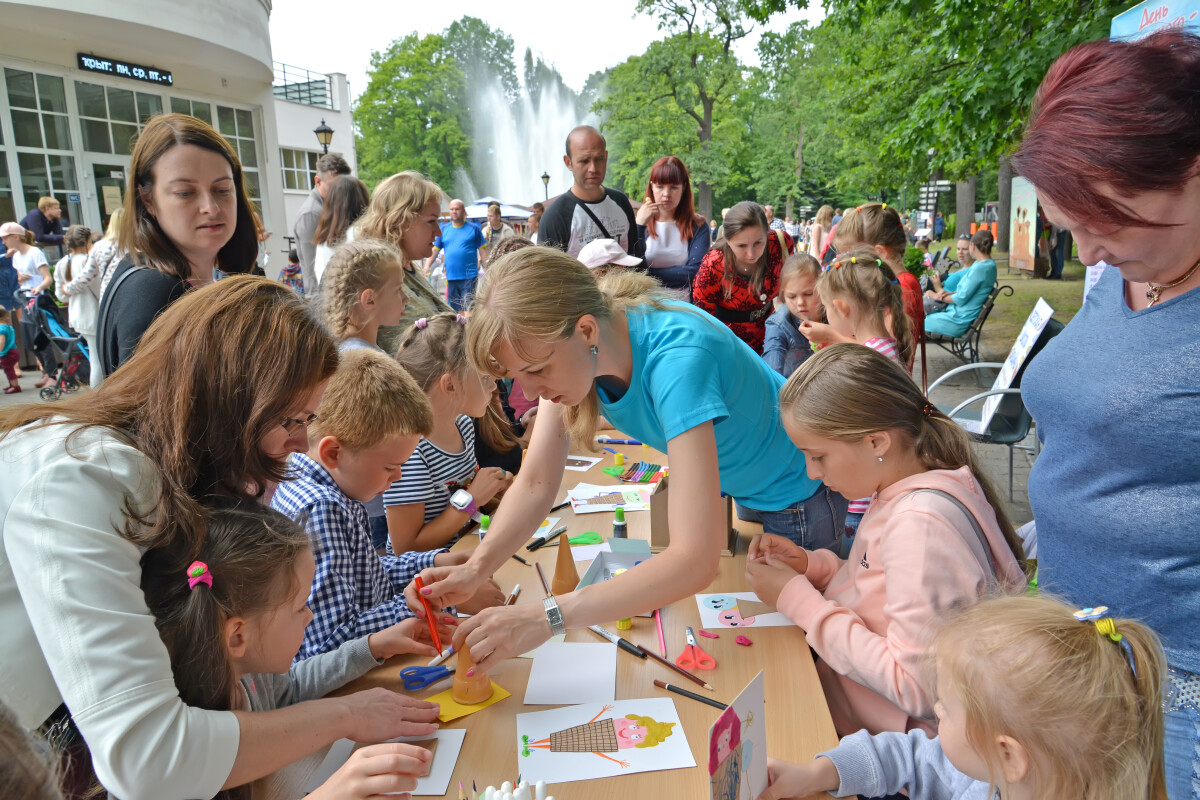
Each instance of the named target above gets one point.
<point>616,472</point>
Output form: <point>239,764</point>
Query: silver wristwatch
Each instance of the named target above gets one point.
<point>554,616</point>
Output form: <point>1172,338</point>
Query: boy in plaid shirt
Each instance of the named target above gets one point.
<point>368,423</point>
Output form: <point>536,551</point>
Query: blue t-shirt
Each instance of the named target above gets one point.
<point>689,368</point>
<point>10,339</point>
<point>461,247</point>
<point>969,296</point>
<point>1116,489</point>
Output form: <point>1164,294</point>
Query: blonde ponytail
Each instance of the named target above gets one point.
<point>866,280</point>
<point>539,294</point>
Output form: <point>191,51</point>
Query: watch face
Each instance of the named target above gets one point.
<point>461,499</point>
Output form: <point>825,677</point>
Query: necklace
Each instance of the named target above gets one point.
<point>1153,294</point>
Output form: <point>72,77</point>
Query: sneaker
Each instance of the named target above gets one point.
<point>11,389</point>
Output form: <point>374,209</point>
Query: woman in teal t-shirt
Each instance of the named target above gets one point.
<point>969,293</point>
<point>659,370</point>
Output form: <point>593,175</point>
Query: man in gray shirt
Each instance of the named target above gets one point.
<point>329,166</point>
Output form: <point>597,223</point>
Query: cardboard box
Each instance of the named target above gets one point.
<point>604,564</point>
<point>660,533</point>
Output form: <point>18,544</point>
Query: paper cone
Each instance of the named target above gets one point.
<point>752,608</point>
<point>566,577</point>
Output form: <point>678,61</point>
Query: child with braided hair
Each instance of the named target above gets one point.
<point>362,289</point>
<point>1034,699</point>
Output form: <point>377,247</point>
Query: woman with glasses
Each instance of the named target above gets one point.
<point>93,482</point>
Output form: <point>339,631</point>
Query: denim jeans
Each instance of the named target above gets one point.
<point>459,293</point>
<point>813,524</point>
<point>379,533</point>
<point>1181,740</point>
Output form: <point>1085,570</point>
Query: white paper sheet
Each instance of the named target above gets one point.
<point>738,740</point>
<point>723,611</point>
<point>588,552</point>
<point>587,498</point>
<point>581,463</point>
<point>572,672</point>
<point>435,784</point>
<point>557,638</point>
<point>552,760</point>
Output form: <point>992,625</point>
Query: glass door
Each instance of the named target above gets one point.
<point>106,179</point>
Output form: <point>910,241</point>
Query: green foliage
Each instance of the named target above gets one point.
<point>914,261</point>
<point>413,113</point>
<point>483,54</point>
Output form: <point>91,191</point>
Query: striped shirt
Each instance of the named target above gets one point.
<point>886,345</point>
<point>429,471</point>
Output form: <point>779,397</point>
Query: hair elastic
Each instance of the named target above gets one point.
<point>422,323</point>
<point>198,573</point>
<point>460,319</point>
<point>1105,624</point>
<point>929,410</point>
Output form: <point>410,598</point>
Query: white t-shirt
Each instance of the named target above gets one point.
<point>668,249</point>
<point>27,265</point>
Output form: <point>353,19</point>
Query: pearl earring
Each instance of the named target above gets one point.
<point>881,459</point>
<point>595,350</point>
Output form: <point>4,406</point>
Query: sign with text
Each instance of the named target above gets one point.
<point>1156,15</point>
<point>124,69</point>
<point>1016,357</point>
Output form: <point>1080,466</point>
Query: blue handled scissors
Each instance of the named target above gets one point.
<point>420,677</point>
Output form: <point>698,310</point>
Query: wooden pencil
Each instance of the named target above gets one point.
<point>693,695</point>
<point>678,669</point>
<point>542,575</point>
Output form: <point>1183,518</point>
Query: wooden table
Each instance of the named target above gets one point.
<point>798,721</point>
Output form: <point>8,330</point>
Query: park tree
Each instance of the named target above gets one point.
<point>483,54</point>
<point>414,113</point>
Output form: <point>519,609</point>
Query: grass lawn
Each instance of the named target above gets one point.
<point>1064,296</point>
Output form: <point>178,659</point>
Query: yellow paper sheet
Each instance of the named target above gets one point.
<point>452,710</point>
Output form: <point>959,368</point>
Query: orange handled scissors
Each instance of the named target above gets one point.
<point>694,656</point>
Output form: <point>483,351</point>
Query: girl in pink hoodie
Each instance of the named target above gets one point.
<point>933,538</point>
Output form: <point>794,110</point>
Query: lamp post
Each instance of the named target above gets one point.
<point>546,183</point>
<point>324,135</point>
<point>932,188</point>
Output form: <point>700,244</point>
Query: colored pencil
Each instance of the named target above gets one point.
<point>693,695</point>
<point>542,575</point>
<point>518,558</point>
<point>512,597</point>
<point>433,631</point>
<point>662,642</point>
<point>678,669</point>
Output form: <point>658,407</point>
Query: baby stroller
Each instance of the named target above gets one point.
<point>69,347</point>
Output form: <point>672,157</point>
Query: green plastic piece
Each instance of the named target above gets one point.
<point>616,472</point>
<point>591,537</point>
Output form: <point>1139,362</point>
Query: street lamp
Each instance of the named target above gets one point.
<point>932,188</point>
<point>546,183</point>
<point>324,135</point>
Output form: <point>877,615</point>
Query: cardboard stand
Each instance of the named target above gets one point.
<point>660,534</point>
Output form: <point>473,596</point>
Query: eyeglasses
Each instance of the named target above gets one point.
<point>291,425</point>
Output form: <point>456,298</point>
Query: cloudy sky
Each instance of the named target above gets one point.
<point>339,36</point>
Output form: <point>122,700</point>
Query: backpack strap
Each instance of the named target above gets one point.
<point>109,359</point>
<point>979,545</point>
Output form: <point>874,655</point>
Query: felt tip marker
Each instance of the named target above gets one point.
<point>608,440</point>
<point>628,647</point>
<point>541,540</point>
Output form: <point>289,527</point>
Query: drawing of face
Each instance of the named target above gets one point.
<point>723,745</point>
<point>718,601</point>
<point>629,733</point>
<point>733,619</point>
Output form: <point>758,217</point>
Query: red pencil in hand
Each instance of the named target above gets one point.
<point>437,640</point>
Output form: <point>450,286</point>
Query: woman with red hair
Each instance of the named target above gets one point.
<point>1113,147</point>
<point>676,236</point>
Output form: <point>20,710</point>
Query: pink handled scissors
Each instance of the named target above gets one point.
<point>693,656</point>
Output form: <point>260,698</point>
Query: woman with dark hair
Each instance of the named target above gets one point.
<point>347,200</point>
<point>739,277</point>
<point>676,236</point>
<point>965,299</point>
<point>1116,489</point>
<point>186,218</point>
<point>95,481</point>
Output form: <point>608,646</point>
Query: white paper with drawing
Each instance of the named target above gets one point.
<point>738,610</point>
<point>580,743</point>
<point>737,747</point>
<point>581,463</point>
<point>572,672</point>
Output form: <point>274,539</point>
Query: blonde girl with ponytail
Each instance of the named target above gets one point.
<point>1034,698</point>
<point>935,536</point>
<point>659,371</point>
<point>362,290</point>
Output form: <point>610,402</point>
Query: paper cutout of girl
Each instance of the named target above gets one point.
<point>599,736</point>
<point>725,756</point>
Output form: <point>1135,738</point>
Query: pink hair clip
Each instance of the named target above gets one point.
<point>422,323</point>
<point>460,319</point>
<point>198,573</point>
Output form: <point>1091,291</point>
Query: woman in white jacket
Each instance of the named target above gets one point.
<point>218,394</point>
<point>79,287</point>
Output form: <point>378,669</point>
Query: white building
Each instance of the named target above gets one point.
<point>81,78</point>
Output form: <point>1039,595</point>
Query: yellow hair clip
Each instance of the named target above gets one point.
<point>1106,626</point>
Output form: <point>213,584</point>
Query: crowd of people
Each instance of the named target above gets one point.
<point>267,465</point>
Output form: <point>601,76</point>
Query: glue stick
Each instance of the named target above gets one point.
<point>627,623</point>
<point>620,528</point>
<point>619,459</point>
<point>484,521</point>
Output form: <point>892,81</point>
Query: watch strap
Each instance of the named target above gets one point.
<point>554,617</point>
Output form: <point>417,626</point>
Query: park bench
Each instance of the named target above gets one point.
<point>966,347</point>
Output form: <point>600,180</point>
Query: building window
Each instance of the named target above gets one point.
<point>194,108</point>
<point>8,211</point>
<point>38,105</point>
<point>299,169</point>
<point>237,126</point>
<point>42,140</point>
<point>111,118</point>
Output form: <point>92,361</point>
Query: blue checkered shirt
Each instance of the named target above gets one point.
<point>356,592</point>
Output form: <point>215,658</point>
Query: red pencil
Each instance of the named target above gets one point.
<point>437,640</point>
